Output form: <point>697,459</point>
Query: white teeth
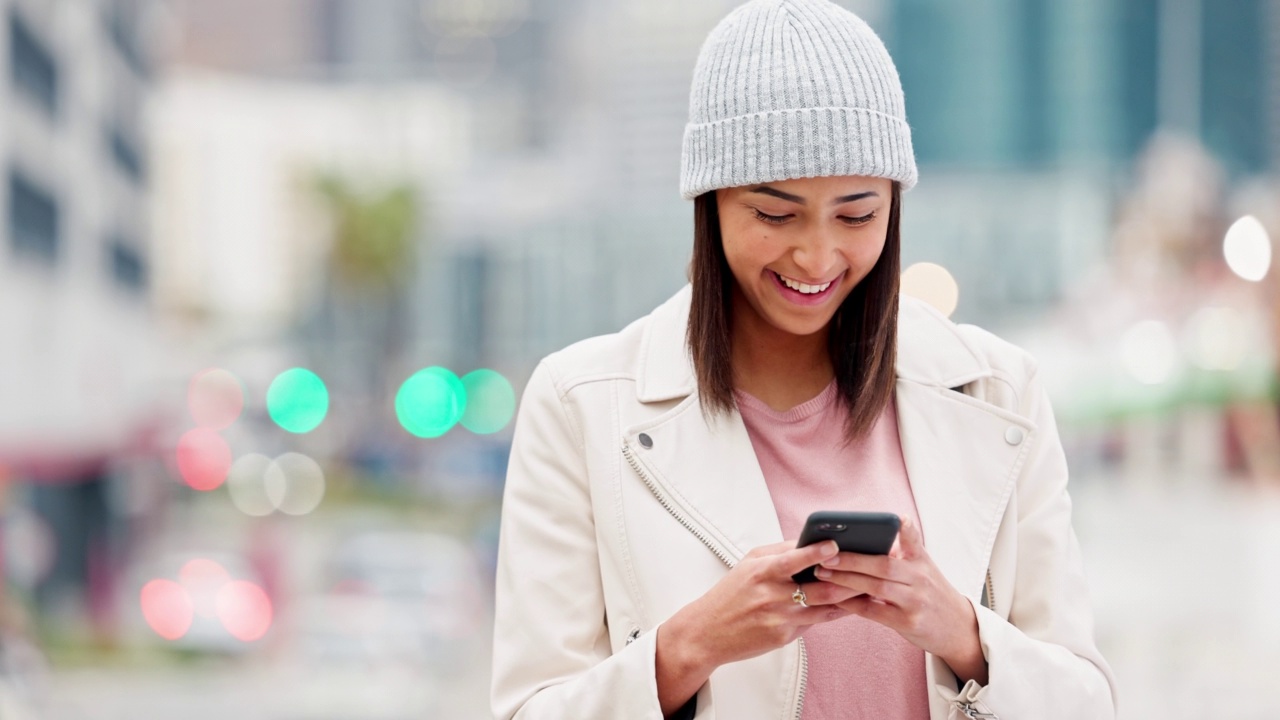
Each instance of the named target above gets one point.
<point>801,287</point>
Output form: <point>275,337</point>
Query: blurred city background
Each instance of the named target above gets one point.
<point>274,272</point>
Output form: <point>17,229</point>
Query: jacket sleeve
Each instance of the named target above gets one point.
<point>551,652</point>
<point>1043,662</point>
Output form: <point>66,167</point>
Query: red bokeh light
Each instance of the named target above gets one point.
<point>244,609</point>
<point>203,578</point>
<point>215,398</point>
<point>204,459</point>
<point>167,608</point>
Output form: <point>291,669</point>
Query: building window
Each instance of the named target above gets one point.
<point>126,155</point>
<point>128,269</point>
<point>35,73</point>
<point>33,220</point>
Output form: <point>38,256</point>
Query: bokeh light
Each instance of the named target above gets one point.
<point>215,398</point>
<point>30,547</point>
<point>166,607</point>
<point>491,401</point>
<point>1247,248</point>
<point>244,609</point>
<point>1215,338</point>
<point>431,402</point>
<point>933,284</point>
<point>1148,352</point>
<point>204,459</point>
<point>246,483</point>
<point>294,483</point>
<point>202,579</point>
<point>298,400</point>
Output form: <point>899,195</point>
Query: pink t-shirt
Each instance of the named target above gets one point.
<point>857,668</point>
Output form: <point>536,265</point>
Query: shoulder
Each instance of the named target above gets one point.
<point>960,354</point>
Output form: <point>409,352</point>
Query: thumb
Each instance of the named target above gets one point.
<point>910,540</point>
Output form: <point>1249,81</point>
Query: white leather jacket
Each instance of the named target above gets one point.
<point>605,536</point>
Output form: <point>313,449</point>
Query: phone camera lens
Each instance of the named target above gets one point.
<point>839,527</point>
<point>824,527</point>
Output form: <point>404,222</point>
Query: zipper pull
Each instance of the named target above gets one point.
<point>974,713</point>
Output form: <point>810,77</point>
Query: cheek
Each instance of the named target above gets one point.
<point>863,255</point>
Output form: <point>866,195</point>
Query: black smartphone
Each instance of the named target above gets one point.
<point>867,533</point>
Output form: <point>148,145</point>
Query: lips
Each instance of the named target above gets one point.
<point>798,296</point>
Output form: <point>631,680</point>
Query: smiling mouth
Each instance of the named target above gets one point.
<point>803,288</point>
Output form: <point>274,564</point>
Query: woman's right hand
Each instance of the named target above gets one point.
<point>748,613</point>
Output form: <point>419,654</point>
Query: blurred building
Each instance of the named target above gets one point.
<point>82,347</point>
<point>1027,116</point>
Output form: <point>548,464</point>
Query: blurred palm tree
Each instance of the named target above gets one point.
<point>364,323</point>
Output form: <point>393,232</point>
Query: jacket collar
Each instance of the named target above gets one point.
<point>930,351</point>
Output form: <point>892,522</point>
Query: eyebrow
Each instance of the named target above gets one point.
<point>766,190</point>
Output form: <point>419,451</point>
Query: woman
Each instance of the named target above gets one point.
<point>643,571</point>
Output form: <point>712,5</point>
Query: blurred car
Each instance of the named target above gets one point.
<point>416,597</point>
<point>398,616</point>
<point>190,601</point>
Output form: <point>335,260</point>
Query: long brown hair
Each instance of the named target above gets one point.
<point>863,337</point>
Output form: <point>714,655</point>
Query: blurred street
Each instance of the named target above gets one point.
<point>1183,579</point>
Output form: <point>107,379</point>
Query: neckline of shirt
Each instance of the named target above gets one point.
<point>755,406</point>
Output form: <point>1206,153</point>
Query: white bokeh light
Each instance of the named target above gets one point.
<point>1247,248</point>
<point>933,284</point>
<point>1149,353</point>
<point>1216,338</point>
<point>246,483</point>
<point>295,484</point>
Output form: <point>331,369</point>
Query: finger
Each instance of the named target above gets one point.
<point>825,593</point>
<point>887,590</point>
<point>814,614</point>
<point>883,613</point>
<point>882,566</point>
<point>797,559</point>
<point>910,540</point>
<point>772,549</point>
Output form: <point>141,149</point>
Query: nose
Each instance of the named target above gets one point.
<point>817,253</point>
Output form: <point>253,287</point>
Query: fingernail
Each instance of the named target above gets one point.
<point>832,561</point>
<point>822,572</point>
<point>832,547</point>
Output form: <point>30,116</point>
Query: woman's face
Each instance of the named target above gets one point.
<point>797,248</point>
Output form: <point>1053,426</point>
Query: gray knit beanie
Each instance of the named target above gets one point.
<point>789,89</point>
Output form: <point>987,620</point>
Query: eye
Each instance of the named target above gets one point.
<point>771,219</point>
<point>855,221</point>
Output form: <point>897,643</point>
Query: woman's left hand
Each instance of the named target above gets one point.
<point>906,592</point>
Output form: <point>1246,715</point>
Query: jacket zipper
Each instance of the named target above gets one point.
<point>972,712</point>
<point>634,462</point>
<point>991,593</point>
<point>666,504</point>
<point>804,679</point>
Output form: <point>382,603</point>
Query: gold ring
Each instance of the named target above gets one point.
<point>799,597</point>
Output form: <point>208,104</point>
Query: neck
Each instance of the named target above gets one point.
<point>781,369</point>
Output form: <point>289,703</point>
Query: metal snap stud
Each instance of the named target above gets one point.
<point>646,441</point>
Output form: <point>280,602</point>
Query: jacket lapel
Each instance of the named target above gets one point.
<point>962,461</point>
<point>704,469</point>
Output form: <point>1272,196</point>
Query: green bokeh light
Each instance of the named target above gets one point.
<point>491,401</point>
<point>298,400</point>
<point>431,402</point>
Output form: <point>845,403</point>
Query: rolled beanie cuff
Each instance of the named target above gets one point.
<point>789,144</point>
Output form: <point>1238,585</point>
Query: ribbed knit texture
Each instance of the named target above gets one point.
<point>789,89</point>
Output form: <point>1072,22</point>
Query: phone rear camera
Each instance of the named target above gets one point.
<point>832,527</point>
